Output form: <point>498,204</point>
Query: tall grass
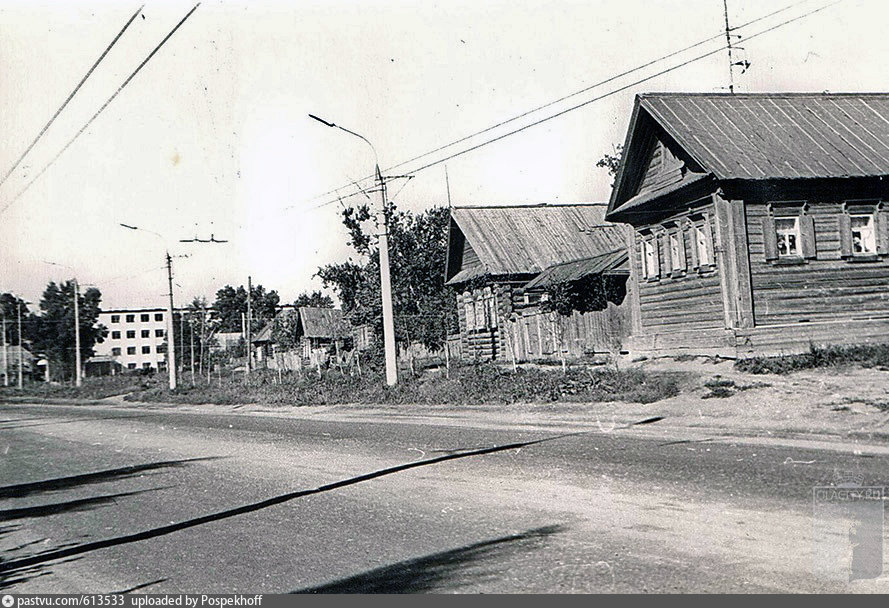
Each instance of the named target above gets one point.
<point>870,355</point>
<point>93,388</point>
<point>469,384</point>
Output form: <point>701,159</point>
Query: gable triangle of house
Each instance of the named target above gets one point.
<point>662,166</point>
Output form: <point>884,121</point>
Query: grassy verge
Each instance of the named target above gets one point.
<point>470,384</point>
<point>93,388</point>
<point>875,355</point>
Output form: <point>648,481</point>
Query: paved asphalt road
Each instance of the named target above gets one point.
<point>107,498</point>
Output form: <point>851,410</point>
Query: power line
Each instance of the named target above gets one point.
<point>102,108</point>
<point>70,96</point>
<point>600,97</point>
<point>570,95</point>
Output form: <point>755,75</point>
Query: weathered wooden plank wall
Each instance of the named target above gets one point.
<point>533,334</point>
<point>827,287</point>
<point>691,302</point>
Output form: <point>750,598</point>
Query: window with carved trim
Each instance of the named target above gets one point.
<point>788,237</point>
<point>703,244</point>
<point>469,307</point>
<point>650,262</point>
<point>677,253</point>
<point>864,238</point>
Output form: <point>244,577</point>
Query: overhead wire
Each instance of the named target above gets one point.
<point>101,109</point>
<point>594,99</point>
<point>70,96</point>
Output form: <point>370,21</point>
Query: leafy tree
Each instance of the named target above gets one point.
<point>611,162</point>
<point>284,330</point>
<point>423,306</point>
<point>231,303</point>
<point>201,325</point>
<point>52,331</point>
<point>314,299</point>
<point>9,309</point>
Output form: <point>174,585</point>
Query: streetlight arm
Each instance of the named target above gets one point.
<point>160,236</point>
<point>358,135</point>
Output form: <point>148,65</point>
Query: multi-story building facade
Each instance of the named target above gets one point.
<point>137,338</point>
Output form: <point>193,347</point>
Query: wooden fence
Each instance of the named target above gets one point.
<point>533,334</point>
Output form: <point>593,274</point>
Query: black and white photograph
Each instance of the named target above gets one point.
<point>451,297</point>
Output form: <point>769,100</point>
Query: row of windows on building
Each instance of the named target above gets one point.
<point>788,235</point>
<point>161,365</point>
<point>694,237</point>
<point>145,333</point>
<point>480,310</point>
<point>131,350</point>
<point>143,318</point>
<point>789,231</point>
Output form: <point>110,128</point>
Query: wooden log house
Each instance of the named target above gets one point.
<point>493,254</point>
<point>760,221</point>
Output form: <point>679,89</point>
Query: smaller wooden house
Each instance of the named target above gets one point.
<point>311,328</point>
<point>760,221</point>
<point>504,263</point>
<point>320,328</point>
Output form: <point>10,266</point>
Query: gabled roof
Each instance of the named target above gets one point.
<point>757,136</point>
<point>265,334</point>
<point>314,323</point>
<point>611,263</point>
<point>322,322</point>
<point>526,239</point>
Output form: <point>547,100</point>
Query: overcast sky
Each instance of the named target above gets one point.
<point>212,136</point>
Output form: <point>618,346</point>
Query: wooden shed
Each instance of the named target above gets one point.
<point>503,260</point>
<point>759,221</point>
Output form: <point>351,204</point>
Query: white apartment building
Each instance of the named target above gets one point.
<point>136,337</point>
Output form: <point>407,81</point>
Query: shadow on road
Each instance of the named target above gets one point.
<point>27,562</point>
<point>455,567</point>
<point>81,504</point>
<point>63,483</point>
<point>4,426</point>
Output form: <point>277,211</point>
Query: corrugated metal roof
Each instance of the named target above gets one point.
<point>611,263</point>
<point>778,135</point>
<point>323,322</point>
<point>522,239</point>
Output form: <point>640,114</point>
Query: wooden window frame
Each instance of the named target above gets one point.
<point>806,241</point>
<point>651,266</point>
<point>793,246</point>
<point>700,224</point>
<point>676,263</point>
<point>879,225</point>
<point>469,312</point>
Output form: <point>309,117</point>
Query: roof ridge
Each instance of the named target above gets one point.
<point>532,205</point>
<point>763,94</point>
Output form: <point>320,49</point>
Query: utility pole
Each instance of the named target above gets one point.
<point>386,286</point>
<point>78,377</point>
<point>385,283</point>
<point>191,337</point>
<point>5,353</point>
<point>171,343</point>
<point>21,348</point>
<point>181,342</point>
<point>249,321</point>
